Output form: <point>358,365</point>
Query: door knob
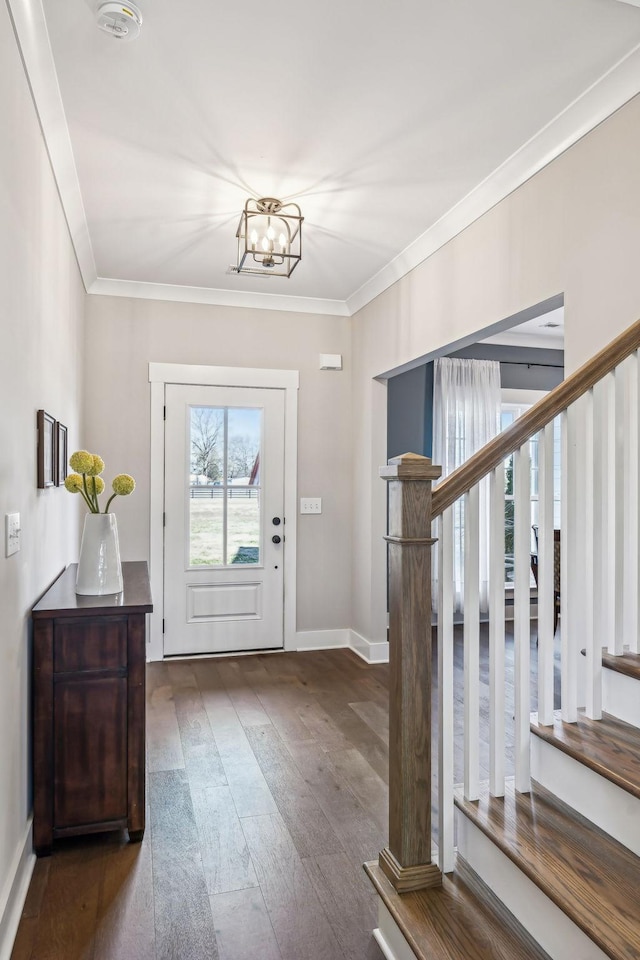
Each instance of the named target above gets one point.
<point>276,521</point>
<point>275,539</point>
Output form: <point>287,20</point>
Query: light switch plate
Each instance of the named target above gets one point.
<point>310,504</point>
<point>12,533</point>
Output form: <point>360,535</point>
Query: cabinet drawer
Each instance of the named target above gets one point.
<point>84,644</point>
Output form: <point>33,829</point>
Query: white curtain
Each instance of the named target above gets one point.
<point>466,415</point>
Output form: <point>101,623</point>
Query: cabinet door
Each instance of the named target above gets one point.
<point>90,766</point>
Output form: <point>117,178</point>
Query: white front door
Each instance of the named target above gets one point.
<point>224,524</point>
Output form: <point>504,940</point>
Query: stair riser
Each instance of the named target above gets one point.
<point>546,923</point>
<point>612,809</point>
<point>390,938</point>
<point>621,696</point>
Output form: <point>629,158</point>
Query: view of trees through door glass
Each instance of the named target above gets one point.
<point>224,485</point>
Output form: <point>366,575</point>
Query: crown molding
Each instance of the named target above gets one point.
<point>31,33</point>
<point>222,298</point>
<point>615,88</point>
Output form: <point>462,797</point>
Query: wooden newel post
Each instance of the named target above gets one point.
<point>407,859</point>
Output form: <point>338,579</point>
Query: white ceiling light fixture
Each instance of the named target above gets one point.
<point>120,20</point>
<point>269,238</point>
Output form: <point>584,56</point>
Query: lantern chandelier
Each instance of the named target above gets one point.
<point>269,238</point>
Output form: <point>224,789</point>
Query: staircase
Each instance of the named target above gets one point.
<point>542,859</point>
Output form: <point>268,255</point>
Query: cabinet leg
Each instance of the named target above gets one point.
<point>43,850</point>
<point>135,836</point>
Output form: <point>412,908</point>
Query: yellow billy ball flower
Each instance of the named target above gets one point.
<point>96,467</point>
<point>123,484</point>
<point>73,482</point>
<point>99,484</point>
<point>82,461</point>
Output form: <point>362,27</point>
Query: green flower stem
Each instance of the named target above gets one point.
<point>87,495</point>
<point>86,500</point>
<point>95,495</point>
<point>112,497</point>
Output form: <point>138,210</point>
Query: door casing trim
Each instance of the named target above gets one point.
<point>159,375</point>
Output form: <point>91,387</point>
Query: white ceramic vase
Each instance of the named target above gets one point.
<point>99,568</point>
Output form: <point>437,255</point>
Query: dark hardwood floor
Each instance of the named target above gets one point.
<point>266,793</point>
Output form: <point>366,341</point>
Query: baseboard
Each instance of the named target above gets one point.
<point>370,651</point>
<point>14,893</point>
<point>322,639</point>
<point>316,640</point>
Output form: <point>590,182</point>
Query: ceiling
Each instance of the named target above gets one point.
<point>545,332</point>
<point>393,125</point>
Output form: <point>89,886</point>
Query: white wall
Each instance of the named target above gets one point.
<point>124,335</point>
<point>41,345</point>
<point>574,228</point>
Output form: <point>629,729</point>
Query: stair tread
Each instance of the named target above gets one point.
<point>591,877</point>
<point>609,746</point>
<point>452,922</point>
<point>627,663</point>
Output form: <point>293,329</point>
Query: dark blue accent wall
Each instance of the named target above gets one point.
<point>409,412</point>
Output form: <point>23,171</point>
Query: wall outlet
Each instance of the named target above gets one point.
<point>11,533</point>
<point>310,504</point>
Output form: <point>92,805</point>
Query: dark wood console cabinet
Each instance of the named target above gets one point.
<point>89,709</point>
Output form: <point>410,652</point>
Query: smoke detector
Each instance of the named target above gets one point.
<point>120,20</point>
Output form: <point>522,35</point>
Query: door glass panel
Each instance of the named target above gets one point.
<point>243,454</point>
<point>243,525</point>
<point>244,433</point>
<point>206,527</point>
<point>224,485</point>
<point>206,469</point>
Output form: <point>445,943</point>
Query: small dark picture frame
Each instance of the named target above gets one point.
<point>47,450</point>
<point>61,472</point>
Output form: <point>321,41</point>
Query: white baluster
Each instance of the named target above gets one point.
<point>496,632</point>
<point>546,601</point>
<point>593,649</point>
<point>610,630</point>
<point>445,693</point>
<point>617,507</point>
<point>522,611</point>
<point>569,548</point>
<point>631,616</point>
<point>471,644</point>
<point>600,558</point>
<point>632,471</point>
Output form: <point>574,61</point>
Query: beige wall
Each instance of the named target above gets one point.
<point>124,335</point>
<point>41,342</point>
<point>573,229</point>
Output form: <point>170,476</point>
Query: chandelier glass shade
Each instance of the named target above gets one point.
<point>269,238</point>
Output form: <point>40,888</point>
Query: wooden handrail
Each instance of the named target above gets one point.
<point>526,426</point>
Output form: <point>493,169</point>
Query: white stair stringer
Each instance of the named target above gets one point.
<point>547,924</point>
<point>608,806</point>
<point>621,696</point>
